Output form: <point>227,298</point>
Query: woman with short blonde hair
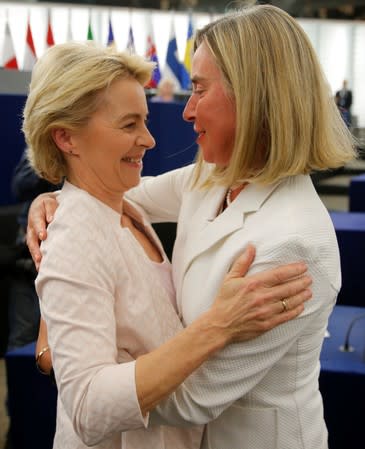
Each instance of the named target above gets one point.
<point>284,104</point>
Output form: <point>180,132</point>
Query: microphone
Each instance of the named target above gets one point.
<point>346,347</point>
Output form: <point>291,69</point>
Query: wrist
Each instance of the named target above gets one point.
<point>43,361</point>
<point>209,327</point>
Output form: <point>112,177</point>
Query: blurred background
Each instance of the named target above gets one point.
<point>162,30</point>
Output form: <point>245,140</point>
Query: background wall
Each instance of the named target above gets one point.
<point>339,44</point>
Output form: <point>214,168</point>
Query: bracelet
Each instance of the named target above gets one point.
<point>37,359</point>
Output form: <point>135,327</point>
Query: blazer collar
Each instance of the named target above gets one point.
<point>209,228</point>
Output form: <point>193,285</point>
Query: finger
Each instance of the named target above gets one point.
<point>266,319</point>
<point>50,206</point>
<point>290,289</point>
<point>290,314</point>
<point>262,295</point>
<point>294,301</point>
<point>33,246</point>
<point>242,264</point>
<point>280,275</point>
<point>293,306</point>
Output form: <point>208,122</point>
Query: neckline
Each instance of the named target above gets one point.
<point>228,198</point>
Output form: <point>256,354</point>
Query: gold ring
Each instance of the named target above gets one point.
<point>285,305</point>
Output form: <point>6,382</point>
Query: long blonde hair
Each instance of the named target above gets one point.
<point>284,105</point>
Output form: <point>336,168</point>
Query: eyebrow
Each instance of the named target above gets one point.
<point>132,115</point>
<point>128,116</point>
<point>198,79</point>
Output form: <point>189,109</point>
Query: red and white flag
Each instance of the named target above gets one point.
<point>50,39</point>
<point>30,56</point>
<point>9,60</point>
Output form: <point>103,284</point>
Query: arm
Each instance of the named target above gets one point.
<point>237,369</point>
<point>239,313</point>
<point>41,213</point>
<point>161,196</point>
<point>42,351</point>
<point>80,314</point>
<point>150,195</point>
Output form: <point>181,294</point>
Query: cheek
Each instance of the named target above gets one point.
<point>227,139</point>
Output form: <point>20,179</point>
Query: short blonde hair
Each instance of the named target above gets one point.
<point>65,91</point>
<point>284,104</point>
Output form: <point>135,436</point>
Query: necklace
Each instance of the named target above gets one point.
<point>229,197</point>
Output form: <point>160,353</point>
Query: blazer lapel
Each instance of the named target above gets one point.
<point>206,228</point>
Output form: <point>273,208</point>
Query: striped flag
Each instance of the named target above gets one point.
<point>30,56</point>
<point>130,44</point>
<point>9,60</point>
<point>110,34</point>
<point>152,56</point>
<point>50,39</point>
<point>185,75</point>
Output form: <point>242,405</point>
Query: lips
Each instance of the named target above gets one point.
<point>201,134</point>
<point>132,160</point>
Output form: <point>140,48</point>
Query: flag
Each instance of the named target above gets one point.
<point>152,56</point>
<point>173,69</point>
<point>69,27</point>
<point>90,34</point>
<point>185,74</point>
<point>30,56</point>
<point>130,44</point>
<point>9,60</point>
<point>50,40</point>
<point>110,34</point>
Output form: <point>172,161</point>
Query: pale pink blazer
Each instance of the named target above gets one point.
<point>105,303</point>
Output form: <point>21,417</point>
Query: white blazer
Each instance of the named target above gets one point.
<point>262,394</point>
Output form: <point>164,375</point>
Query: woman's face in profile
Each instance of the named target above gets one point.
<point>211,109</point>
<point>112,144</point>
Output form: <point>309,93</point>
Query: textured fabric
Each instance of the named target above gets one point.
<point>105,303</point>
<point>262,394</point>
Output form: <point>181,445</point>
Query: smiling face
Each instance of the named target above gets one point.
<point>107,153</point>
<point>211,109</point>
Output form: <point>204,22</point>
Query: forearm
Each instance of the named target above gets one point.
<point>161,371</point>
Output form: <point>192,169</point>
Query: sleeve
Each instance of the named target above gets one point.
<point>161,196</point>
<point>76,288</point>
<point>239,367</point>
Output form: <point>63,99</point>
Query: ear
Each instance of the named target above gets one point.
<point>63,138</point>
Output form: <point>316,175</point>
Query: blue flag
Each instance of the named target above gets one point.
<point>110,34</point>
<point>130,44</point>
<point>174,68</point>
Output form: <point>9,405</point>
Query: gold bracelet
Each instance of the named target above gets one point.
<point>37,359</point>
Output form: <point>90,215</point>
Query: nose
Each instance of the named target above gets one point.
<point>189,110</point>
<point>146,139</point>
